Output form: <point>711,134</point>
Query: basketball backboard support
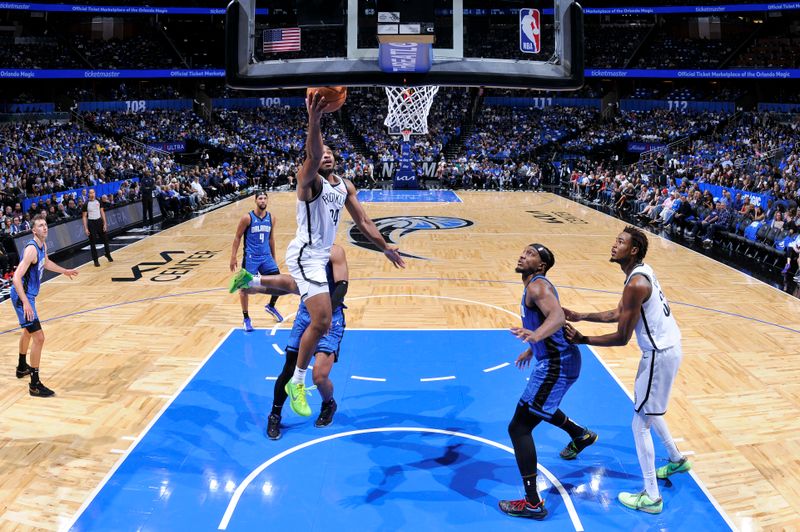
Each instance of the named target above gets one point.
<point>460,58</point>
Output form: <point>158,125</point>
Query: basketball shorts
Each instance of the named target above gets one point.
<point>307,268</point>
<point>328,343</point>
<point>265,265</point>
<point>657,371</point>
<point>30,325</point>
<point>548,384</point>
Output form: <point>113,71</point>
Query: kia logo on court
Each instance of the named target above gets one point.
<point>393,228</point>
<point>171,273</point>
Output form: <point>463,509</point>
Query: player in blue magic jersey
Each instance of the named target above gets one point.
<point>556,367</point>
<point>258,229</point>
<point>326,352</point>
<point>25,288</point>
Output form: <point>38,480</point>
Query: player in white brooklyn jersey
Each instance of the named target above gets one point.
<point>321,194</point>
<point>643,308</point>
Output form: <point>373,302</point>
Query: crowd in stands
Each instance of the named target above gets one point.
<point>671,47</point>
<point>185,41</point>
<point>277,129</point>
<point>482,173</point>
<point>754,155</point>
<point>132,90</point>
<point>753,152</point>
<point>756,152</point>
<point>146,50</point>
<point>685,93</point>
<point>655,126</point>
<point>770,52</point>
<point>44,161</point>
<point>163,125</point>
<point>200,40</point>
<point>589,90</point>
<point>513,132</point>
<point>603,52</point>
<point>35,52</point>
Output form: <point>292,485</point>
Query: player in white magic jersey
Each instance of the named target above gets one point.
<point>644,309</point>
<point>321,195</point>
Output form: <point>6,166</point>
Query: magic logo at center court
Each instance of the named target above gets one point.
<point>393,228</point>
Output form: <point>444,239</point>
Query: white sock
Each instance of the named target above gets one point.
<point>646,454</point>
<point>299,376</point>
<point>661,429</point>
<point>255,282</point>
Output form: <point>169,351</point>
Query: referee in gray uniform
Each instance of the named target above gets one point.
<point>94,223</point>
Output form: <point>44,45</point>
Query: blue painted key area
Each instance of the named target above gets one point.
<point>401,454</point>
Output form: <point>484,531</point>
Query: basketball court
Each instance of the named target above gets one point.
<point>162,398</point>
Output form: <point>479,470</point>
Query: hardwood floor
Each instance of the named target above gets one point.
<point>117,350</point>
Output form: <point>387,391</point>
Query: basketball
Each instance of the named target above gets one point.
<point>335,96</point>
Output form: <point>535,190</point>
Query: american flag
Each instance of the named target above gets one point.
<point>281,40</point>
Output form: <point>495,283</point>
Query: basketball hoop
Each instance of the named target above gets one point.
<point>409,108</point>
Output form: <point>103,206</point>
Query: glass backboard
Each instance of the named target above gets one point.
<point>540,47</point>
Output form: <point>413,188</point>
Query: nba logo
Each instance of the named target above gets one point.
<point>530,33</point>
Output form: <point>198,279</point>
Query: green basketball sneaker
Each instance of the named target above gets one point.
<point>674,467</point>
<point>297,398</point>
<point>641,501</point>
<point>240,281</point>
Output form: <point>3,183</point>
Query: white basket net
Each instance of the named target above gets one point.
<point>409,108</point>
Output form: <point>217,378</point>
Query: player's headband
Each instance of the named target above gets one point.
<point>545,254</point>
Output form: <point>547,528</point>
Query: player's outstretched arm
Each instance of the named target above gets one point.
<point>307,176</point>
<point>367,226</point>
<point>607,316</point>
<point>635,293</point>
<point>53,267</point>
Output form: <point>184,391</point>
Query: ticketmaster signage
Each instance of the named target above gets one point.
<point>19,73</point>
<point>693,74</point>
<point>725,8</point>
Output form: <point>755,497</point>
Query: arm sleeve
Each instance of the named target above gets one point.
<point>339,291</point>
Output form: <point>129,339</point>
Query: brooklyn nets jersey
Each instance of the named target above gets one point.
<point>318,219</point>
<point>656,328</point>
